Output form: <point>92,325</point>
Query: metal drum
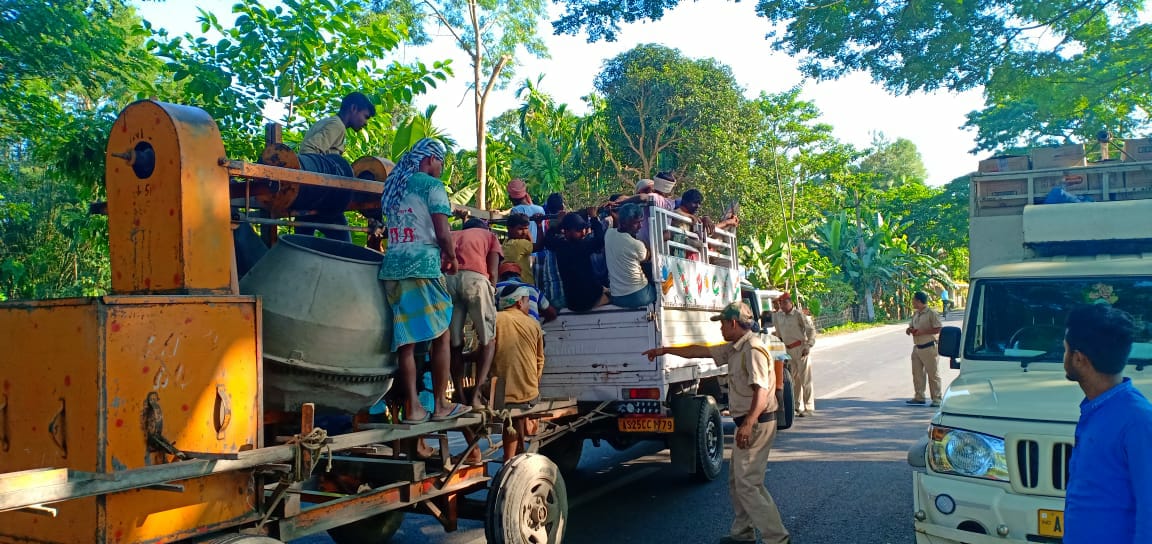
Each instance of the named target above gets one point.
<point>327,325</point>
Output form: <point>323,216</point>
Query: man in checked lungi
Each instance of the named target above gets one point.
<point>420,250</point>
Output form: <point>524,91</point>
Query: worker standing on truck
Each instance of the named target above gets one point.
<point>795,329</point>
<point>752,402</point>
<point>1109,495</point>
<point>923,328</point>
<point>420,250</point>
<point>473,291</point>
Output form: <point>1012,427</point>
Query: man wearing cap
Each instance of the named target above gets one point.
<point>519,359</point>
<point>923,328</point>
<point>573,248</point>
<point>538,306</point>
<point>644,186</point>
<point>752,402</point>
<point>795,329</point>
<point>522,203</point>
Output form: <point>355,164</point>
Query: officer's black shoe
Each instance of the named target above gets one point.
<point>731,540</point>
<point>916,402</point>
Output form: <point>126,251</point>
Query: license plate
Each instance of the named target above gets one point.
<point>1050,522</point>
<point>646,424</point>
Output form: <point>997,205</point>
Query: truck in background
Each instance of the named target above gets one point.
<point>994,461</point>
<point>596,357</point>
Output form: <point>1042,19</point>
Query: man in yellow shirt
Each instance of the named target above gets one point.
<point>519,360</point>
<point>326,137</point>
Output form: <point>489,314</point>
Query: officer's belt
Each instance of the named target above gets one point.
<point>926,346</point>
<point>765,417</point>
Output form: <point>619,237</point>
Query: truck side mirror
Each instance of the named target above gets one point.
<point>950,345</point>
<point>765,319</point>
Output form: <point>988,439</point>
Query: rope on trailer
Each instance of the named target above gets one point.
<point>313,443</point>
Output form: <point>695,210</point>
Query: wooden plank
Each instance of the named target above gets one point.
<point>382,469</point>
<point>244,169</point>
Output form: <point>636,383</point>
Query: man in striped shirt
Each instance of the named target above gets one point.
<point>538,306</point>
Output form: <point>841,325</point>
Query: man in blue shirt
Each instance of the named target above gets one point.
<point>538,306</point>
<point>1109,496</point>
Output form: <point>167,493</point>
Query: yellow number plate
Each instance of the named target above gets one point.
<point>1050,522</point>
<point>646,424</point>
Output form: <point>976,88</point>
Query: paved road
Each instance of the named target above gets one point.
<point>838,477</point>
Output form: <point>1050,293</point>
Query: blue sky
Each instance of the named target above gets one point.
<point>727,31</point>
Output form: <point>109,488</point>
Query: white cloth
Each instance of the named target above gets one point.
<point>623,253</point>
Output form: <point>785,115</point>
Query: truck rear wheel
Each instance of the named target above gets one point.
<point>709,440</point>
<point>527,503</point>
<point>786,399</point>
<point>377,529</point>
<point>565,452</point>
<point>242,539</point>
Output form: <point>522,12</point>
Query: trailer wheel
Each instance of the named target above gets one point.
<point>565,452</point>
<point>527,503</point>
<point>377,529</point>
<point>709,440</point>
<point>786,399</point>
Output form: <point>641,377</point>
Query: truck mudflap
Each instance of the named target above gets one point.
<point>976,505</point>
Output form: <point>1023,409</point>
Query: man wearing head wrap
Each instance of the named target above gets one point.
<point>420,250</point>
<point>522,203</point>
<point>519,359</point>
<point>752,403</point>
<point>662,187</point>
<point>795,329</point>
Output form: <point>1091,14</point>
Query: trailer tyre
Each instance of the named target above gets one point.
<point>709,440</point>
<point>785,397</point>
<point>377,529</point>
<point>527,503</point>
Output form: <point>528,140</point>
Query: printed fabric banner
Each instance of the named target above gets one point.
<point>694,284</point>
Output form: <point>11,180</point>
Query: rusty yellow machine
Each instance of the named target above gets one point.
<point>139,416</point>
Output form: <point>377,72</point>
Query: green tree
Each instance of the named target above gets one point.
<point>490,32</point>
<point>304,56</point>
<point>893,163</point>
<point>65,69</point>
<point>665,111</point>
<point>1051,69</point>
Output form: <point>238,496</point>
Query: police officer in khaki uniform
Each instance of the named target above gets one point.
<point>752,402</point>
<point>795,329</point>
<point>924,327</point>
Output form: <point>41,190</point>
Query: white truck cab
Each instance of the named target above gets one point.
<point>995,458</point>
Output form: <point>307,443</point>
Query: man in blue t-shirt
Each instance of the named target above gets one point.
<point>1109,496</point>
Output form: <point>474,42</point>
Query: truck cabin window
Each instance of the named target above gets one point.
<point>1016,320</point>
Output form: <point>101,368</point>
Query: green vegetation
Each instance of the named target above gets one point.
<point>838,225</point>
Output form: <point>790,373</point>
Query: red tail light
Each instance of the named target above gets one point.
<point>652,393</point>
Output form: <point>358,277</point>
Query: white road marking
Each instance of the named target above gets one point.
<point>844,389</point>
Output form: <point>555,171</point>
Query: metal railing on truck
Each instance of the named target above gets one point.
<point>1006,193</point>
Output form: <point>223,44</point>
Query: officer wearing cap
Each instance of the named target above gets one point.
<point>795,329</point>
<point>752,402</point>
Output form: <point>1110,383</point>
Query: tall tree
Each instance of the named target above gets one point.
<point>490,32</point>
<point>665,111</point>
<point>893,163</point>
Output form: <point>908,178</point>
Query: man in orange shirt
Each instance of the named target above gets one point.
<point>519,361</point>
<point>474,296</point>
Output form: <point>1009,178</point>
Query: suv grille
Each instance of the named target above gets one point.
<point>1039,464</point>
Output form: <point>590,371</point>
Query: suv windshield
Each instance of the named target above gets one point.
<point>1023,320</point>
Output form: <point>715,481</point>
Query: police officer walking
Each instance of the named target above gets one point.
<point>752,402</point>
<point>923,328</point>
<point>795,329</point>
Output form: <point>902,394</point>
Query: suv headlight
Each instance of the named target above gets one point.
<point>965,453</point>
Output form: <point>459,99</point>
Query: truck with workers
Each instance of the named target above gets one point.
<point>596,357</point>
<point>1048,233</point>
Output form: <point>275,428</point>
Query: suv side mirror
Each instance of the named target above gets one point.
<point>950,345</point>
